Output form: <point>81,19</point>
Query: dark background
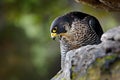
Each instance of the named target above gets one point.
<point>26,50</point>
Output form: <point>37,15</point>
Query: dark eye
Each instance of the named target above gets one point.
<point>54,30</point>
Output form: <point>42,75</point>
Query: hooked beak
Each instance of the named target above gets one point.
<point>53,35</point>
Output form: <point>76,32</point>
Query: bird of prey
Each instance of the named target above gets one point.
<point>75,29</point>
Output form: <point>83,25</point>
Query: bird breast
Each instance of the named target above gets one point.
<point>79,35</point>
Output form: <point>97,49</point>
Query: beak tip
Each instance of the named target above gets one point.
<point>53,38</point>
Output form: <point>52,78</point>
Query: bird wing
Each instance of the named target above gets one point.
<point>95,25</point>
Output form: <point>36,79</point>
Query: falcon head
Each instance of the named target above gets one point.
<point>60,26</point>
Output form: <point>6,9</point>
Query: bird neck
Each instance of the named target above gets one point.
<point>64,48</point>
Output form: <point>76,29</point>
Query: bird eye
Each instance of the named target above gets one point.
<point>54,30</point>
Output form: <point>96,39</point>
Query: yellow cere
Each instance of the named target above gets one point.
<point>53,34</point>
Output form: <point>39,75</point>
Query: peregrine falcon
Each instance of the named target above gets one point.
<point>75,29</point>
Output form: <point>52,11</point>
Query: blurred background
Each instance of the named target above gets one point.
<point>26,50</point>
